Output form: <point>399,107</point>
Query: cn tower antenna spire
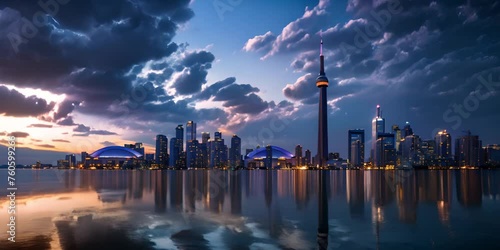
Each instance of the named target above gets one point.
<point>321,44</point>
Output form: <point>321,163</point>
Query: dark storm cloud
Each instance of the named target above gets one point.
<point>191,80</point>
<point>303,88</point>
<point>13,103</point>
<point>64,108</point>
<point>176,9</point>
<point>414,44</point>
<point>211,90</point>
<point>232,91</point>
<point>87,47</point>
<point>194,73</point>
<point>93,52</point>
<point>200,57</point>
<point>241,98</point>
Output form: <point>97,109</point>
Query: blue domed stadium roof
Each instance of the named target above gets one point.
<point>116,152</point>
<point>276,151</point>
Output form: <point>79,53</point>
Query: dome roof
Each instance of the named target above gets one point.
<point>116,152</point>
<point>277,152</point>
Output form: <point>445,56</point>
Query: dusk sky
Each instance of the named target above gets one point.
<point>99,73</point>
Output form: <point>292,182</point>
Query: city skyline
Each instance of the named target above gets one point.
<point>260,85</point>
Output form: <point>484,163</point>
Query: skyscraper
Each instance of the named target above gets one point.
<point>397,137</point>
<point>443,148</point>
<point>217,151</point>
<point>177,157</point>
<point>84,156</point>
<point>224,156</point>
<point>468,151</point>
<point>268,161</point>
<point>203,155</point>
<point>192,148</point>
<point>71,158</point>
<point>322,84</point>
<point>190,131</point>
<point>205,136</point>
<point>235,152</point>
<point>378,127</point>
<point>217,135</point>
<point>174,152</point>
<point>407,130</point>
<point>443,145</point>
<point>427,153</point>
<point>356,147</point>
<point>192,145</point>
<point>205,149</point>
<point>298,156</point>
<point>385,154</point>
<point>409,149</point>
<point>492,154</point>
<point>179,135</point>
<point>307,158</point>
<point>161,155</point>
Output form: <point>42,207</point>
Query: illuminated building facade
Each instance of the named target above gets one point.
<point>217,151</point>
<point>190,131</point>
<point>385,155</point>
<point>443,149</point>
<point>378,127</point>
<point>177,156</point>
<point>410,147</point>
<point>192,154</point>
<point>307,158</point>
<point>468,151</point>
<point>298,156</point>
<point>114,157</point>
<point>269,157</point>
<point>493,154</point>
<point>356,147</point>
<point>161,155</point>
<point>235,152</point>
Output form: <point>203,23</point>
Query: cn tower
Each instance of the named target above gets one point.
<point>322,84</point>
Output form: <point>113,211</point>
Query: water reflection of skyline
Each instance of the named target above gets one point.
<point>191,190</point>
<point>276,198</point>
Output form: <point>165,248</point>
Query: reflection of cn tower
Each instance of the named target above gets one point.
<point>322,84</point>
<point>322,211</point>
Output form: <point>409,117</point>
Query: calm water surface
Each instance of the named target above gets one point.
<point>199,209</point>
